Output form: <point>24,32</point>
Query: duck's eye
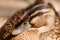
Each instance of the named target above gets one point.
<point>24,26</point>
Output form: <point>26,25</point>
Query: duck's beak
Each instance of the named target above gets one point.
<point>21,28</point>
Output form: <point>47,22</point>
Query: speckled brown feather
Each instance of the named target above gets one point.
<point>6,30</point>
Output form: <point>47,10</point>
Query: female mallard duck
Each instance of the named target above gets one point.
<point>46,31</point>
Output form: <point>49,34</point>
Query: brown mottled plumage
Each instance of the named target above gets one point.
<point>6,30</point>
